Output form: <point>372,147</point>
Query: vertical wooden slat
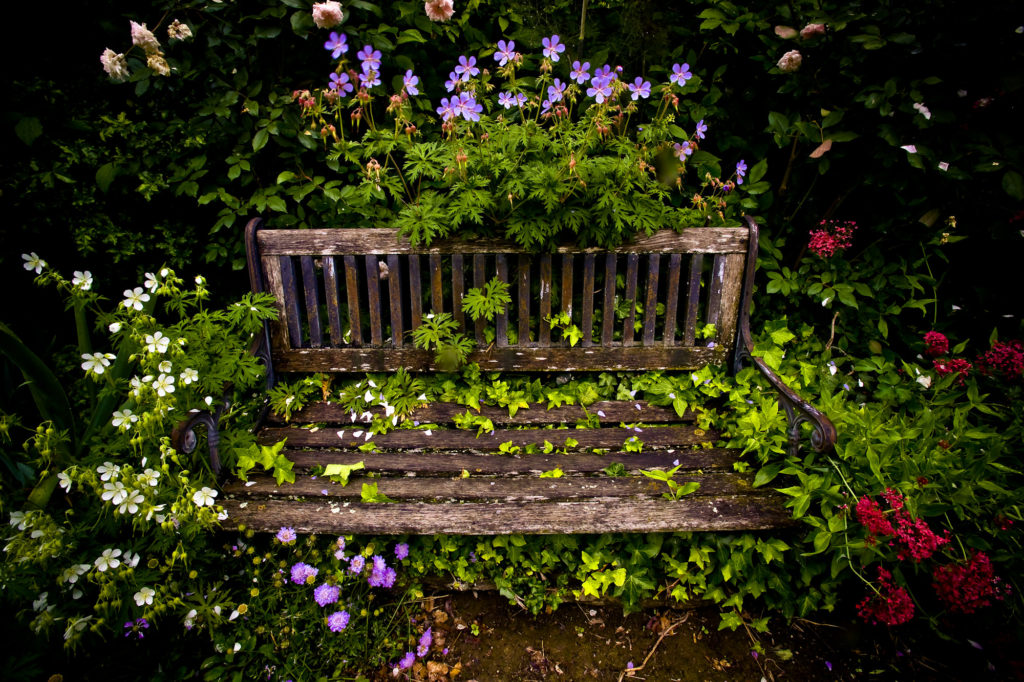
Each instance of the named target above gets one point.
<point>355,322</point>
<point>436,292</point>
<point>672,302</point>
<point>501,322</point>
<point>608,312</point>
<point>632,266</point>
<point>524,300</point>
<point>373,300</point>
<point>715,290</point>
<point>651,302</point>
<point>544,326</point>
<point>587,323</point>
<point>333,304</point>
<point>692,298</point>
<point>273,284</point>
<point>730,299</point>
<point>291,301</point>
<point>567,285</point>
<point>415,290</point>
<point>312,299</point>
<point>395,299</point>
<point>458,285</point>
<point>479,281</point>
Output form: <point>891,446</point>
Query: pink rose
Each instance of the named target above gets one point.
<point>327,14</point>
<point>179,31</point>
<point>812,30</point>
<point>144,38</point>
<point>439,10</point>
<point>790,61</point>
<point>114,64</point>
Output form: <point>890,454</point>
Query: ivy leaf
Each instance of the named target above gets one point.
<point>341,472</point>
<point>554,473</point>
<point>370,494</point>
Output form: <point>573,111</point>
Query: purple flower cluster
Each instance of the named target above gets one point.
<point>426,639</point>
<point>302,573</point>
<point>326,594</point>
<point>464,105</point>
<point>355,566</point>
<point>381,575</point>
<point>401,551</point>
<point>286,535</point>
<point>338,621</point>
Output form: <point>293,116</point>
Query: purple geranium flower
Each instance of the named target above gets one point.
<point>326,594</point>
<point>505,99</point>
<point>410,81</point>
<point>369,57</point>
<point>368,79</point>
<point>741,171</point>
<point>338,621</point>
<point>640,88</point>
<point>337,43</point>
<point>505,53</point>
<point>468,107</point>
<point>601,88</point>
<point>556,90</point>
<point>683,150</point>
<point>701,129</point>
<point>136,628</point>
<point>447,109</point>
<point>339,82</point>
<point>453,80</point>
<point>552,48</point>
<point>580,72</point>
<point>545,106</point>
<point>401,551</point>
<point>301,572</point>
<point>466,68</point>
<point>680,74</point>
<point>288,534</point>
<point>606,71</point>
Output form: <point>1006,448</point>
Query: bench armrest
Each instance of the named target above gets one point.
<point>798,410</point>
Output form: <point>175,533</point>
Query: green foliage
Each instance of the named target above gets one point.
<point>340,473</point>
<point>485,304</point>
<point>438,333</point>
<point>676,490</point>
<point>267,456</point>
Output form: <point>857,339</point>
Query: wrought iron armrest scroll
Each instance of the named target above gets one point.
<point>823,437</point>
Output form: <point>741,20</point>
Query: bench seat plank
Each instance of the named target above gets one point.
<point>609,515</point>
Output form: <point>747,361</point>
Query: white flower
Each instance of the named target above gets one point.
<point>157,343</point>
<point>64,481</point>
<point>108,471</point>
<point>134,298</point>
<point>72,573</point>
<point>76,625</point>
<point>131,502</point>
<point>155,511</point>
<point>131,559</point>
<point>190,619</point>
<point>114,327</point>
<point>204,497</point>
<point>40,603</point>
<point>108,559</point>
<point>237,647</point>
<point>208,400</point>
<point>832,369</point>
<point>924,380</point>
<point>148,477</point>
<point>82,280</point>
<point>179,30</point>
<point>223,516</point>
<point>115,492</point>
<point>164,384</point>
<point>327,14</point>
<point>164,272</point>
<point>114,64</point>
<point>18,519</point>
<point>200,280</point>
<point>943,166</point>
<point>923,110</point>
<point>144,597</point>
<point>97,362</point>
<point>144,38</point>
<point>909,148</point>
<point>33,262</point>
<point>189,375</point>
<point>151,282</point>
<point>165,366</point>
<point>124,419</point>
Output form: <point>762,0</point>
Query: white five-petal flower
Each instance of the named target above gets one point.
<point>97,362</point>
<point>164,384</point>
<point>124,419</point>
<point>108,471</point>
<point>149,477</point>
<point>144,597</point>
<point>115,492</point>
<point>134,298</point>
<point>189,375</point>
<point>33,262</point>
<point>204,497</point>
<point>130,504</point>
<point>151,282</point>
<point>165,366</point>
<point>108,559</point>
<point>64,481</point>
<point>82,280</point>
<point>157,343</point>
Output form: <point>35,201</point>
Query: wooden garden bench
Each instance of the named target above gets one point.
<point>349,297</point>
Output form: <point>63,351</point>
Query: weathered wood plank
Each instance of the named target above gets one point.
<point>395,299</point>
<point>355,322</point>
<point>632,269</point>
<point>333,303</point>
<point>608,310</point>
<point>274,285</point>
<point>607,412</point>
<point>672,302</point>
<point>384,241</point>
<point>693,298</point>
<point>458,289</point>
<point>373,300</point>
<point>500,489</point>
<point>729,299</point>
<point>291,302</point>
<point>453,464</point>
<point>415,290</point>
<point>311,297</point>
<point>436,290</point>
<point>651,301</point>
<point>509,359</point>
<point>692,513</point>
<point>587,323</point>
<point>501,320</point>
<point>566,292</point>
<point>653,437</point>
<point>715,291</point>
<point>523,310</point>
<point>479,281</point>
<point>544,315</point>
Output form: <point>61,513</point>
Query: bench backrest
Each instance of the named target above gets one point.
<point>348,299</point>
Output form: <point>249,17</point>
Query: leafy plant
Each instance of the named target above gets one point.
<point>486,303</point>
<point>676,490</point>
<point>438,333</point>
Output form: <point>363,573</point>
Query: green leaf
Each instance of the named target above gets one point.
<point>277,204</point>
<point>758,170</point>
<point>28,129</point>
<point>370,494</point>
<point>554,473</point>
<point>1013,184</point>
<point>259,140</point>
<point>341,472</point>
<point>105,175</point>
<point>46,389</point>
<point>766,474</point>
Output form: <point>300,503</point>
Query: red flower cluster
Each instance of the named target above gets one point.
<point>873,518</point>
<point>968,588</point>
<point>954,366</point>
<point>913,536</point>
<point>890,605</point>
<point>1004,358</point>
<point>832,236</point>
<point>936,344</point>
